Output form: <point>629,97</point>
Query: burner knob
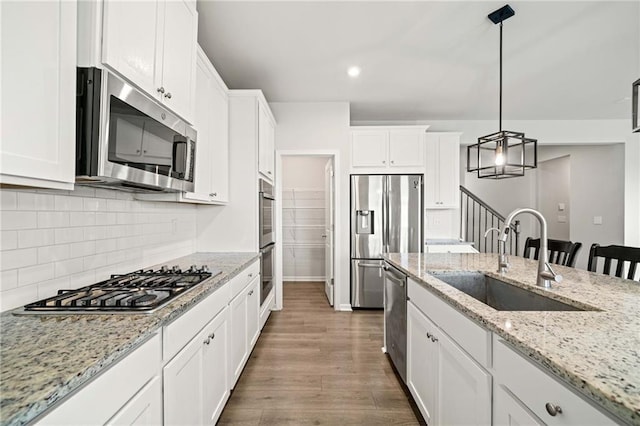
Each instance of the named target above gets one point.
<point>204,268</point>
<point>164,268</point>
<point>175,269</point>
<point>193,269</point>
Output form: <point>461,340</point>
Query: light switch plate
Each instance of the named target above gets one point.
<point>597,220</point>
<point>560,207</point>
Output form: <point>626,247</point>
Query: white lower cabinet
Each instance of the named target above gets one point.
<point>244,314</point>
<point>508,410</point>
<point>144,409</point>
<point>449,387</point>
<point>195,390</point>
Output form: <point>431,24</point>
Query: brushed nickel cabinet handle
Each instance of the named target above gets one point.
<point>553,409</point>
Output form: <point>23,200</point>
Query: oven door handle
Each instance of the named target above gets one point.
<point>267,248</point>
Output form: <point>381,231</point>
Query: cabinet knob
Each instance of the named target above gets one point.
<point>250,275</point>
<point>206,342</point>
<point>212,336</point>
<point>213,194</point>
<point>384,162</point>
<point>167,95</point>
<point>429,335</point>
<point>160,89</point>
<point>269,172</point>
<point>392,162</point>
<point>434,339</point>
<point>553,409</point>
<point>251,293</point>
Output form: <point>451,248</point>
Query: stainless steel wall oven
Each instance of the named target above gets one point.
<point>266,201</point>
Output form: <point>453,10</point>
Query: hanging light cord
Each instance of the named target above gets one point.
<point>500,114</point>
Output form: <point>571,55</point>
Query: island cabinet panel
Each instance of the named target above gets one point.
<point>195,390</point>
<point>544,396</point>
<point>449,387</point>
<point>129,376</point>
<point>510,411</point>
<point>422,362</point>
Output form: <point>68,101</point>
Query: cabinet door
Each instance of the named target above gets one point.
<point>183,382</point>
<point>37,86</point>
<point>510,411</point>
<point>130,40</point>
<point>238,341</point>
<point>180,29</point>
<point>369,148</point>
<point>406,148</point>
<point>203,116</point>
<point>215,368</point>
<point>449,160</point>
<point>464,388</point>
<point>145,408</point>
<point>253,312</point>
<point>219,143</point>
<point>266,138</point>
<point>422,362</point>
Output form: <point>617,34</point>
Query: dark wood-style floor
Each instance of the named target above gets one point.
<point>315,366</point>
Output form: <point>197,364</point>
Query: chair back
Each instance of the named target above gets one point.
<point>621,254</point>
<point>560,252</point>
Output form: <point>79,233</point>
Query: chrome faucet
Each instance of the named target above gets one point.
<point>503,261</point>
<point>545,272</point>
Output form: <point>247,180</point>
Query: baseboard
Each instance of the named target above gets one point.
<point>345,307</point>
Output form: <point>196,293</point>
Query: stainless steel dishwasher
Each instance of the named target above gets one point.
<point>395,317</point>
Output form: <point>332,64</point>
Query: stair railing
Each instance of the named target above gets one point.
<point>476,217</point>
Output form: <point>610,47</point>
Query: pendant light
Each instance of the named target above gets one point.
<point>506,153</point>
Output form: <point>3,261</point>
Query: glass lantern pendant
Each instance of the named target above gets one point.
<point>506,153</point>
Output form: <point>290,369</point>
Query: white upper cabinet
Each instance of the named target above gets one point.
<point>442,177</point>
<point>384,148</point>
<point>153,44</point>
<point>211,121</point>
<point>266,143</point>
<point>37,93</point>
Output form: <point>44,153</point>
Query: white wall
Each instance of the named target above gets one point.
<point>322,126</point>
<point>303,172</point>
<point>54,240</point>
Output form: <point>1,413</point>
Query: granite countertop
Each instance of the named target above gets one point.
<point>43,358</point>
<point>595,352</point>
<point>445,242</point>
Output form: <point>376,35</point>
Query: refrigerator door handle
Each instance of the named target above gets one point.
<point>385,214</point>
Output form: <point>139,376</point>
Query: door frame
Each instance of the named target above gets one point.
<point>277,276</point>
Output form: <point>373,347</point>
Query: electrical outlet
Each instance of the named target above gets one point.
<point>597,220</point>
<point>562,219</point>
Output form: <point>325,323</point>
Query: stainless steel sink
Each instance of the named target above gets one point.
<point>501,295</point>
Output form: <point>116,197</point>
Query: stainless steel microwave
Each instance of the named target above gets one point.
<point>126,140</point>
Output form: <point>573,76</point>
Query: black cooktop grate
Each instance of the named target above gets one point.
<point>140,291</point>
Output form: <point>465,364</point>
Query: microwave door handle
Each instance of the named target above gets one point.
<point>179,159</point>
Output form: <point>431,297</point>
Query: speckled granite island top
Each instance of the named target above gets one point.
<point>44,357</point>
<point>596,352</point>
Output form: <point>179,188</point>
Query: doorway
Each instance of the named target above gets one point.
<point>553,196</point>
<point>305,184</point>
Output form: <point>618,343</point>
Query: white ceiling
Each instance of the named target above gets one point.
<point>431,60</point>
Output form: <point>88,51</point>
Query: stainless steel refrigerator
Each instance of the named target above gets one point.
<point>386,217</point>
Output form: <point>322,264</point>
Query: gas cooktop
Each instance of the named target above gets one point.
<point>143,291</point>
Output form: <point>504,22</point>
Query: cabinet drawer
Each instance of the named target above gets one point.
<point>535,388</point>
<point>474,339</point>
<point>240,281</point>
<point>128,376</point>
<point>177,334</point>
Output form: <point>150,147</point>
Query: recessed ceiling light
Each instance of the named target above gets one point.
<point>353,71</point>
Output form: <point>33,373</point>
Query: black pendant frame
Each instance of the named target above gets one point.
<point>519,152</point>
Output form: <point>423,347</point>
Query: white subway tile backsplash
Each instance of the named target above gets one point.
<point>53,219</point>
<point>35,274</point>
<point>18,296</point>
<point>8,240</point>
<point>12,259</point>
<point>82,219</point>
<point>35,238</point>
<point>10,220</point>
<point>68,267</point>
<point>69,235</point>
<point>53,240</point>
<point>8,200</point>
<point>84,248</point>
<point>68,203</point>
<point>8,279</point>
<point>53,253</point>
<point>34,201</point>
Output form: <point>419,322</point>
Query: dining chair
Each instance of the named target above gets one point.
<point>560,252</point>
<point>621,254</point>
